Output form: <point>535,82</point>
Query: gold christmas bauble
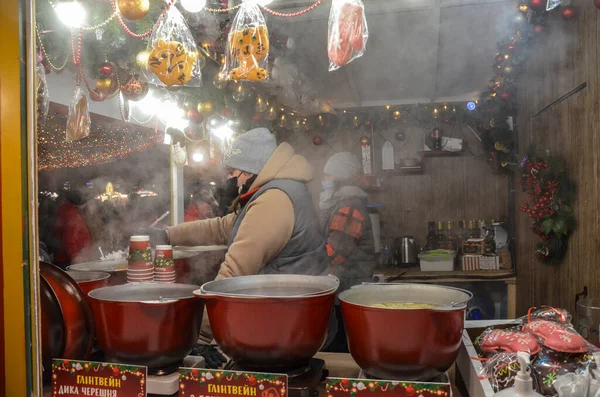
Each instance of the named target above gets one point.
<point>106,86</point>
<point>133,10</point>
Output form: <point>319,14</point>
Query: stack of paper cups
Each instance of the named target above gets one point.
<point>140,267</point>
<point>164,266</point>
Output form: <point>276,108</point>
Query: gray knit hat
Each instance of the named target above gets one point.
<point>343,165</point>
<point>250,151</point>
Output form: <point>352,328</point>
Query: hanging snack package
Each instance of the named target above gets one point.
<point>348,33</point>
<point>173,58</point>
<point>42,95</point>
<point>248,45</point>
<point>78,120</point>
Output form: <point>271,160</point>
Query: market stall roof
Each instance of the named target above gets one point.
<point>419,51</point>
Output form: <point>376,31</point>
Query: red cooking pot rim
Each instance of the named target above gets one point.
<point>87,277</point>
<point>460,304</point>
<point>237,287</point>
<point>109,265</point>
<point>145,293</point>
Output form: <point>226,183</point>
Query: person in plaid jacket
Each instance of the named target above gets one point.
<point>344,218</point>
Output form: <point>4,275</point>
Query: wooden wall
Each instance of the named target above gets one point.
<point>451,188</point>
<point>567,56</point>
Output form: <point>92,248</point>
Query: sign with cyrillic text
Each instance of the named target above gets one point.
<point>196,382</point>
<point>74,378</point>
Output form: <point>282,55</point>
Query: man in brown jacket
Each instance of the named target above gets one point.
<point>275,227</point>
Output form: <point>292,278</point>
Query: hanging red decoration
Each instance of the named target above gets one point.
<point>499,58</point>
<point>107,69</point>
<point>537,5</point>
<point>134,88</point>
<point>317,140</point>
<point>257,117</point>
<point>400,136</point>
<point>538,29</point>
<point>227,112</point>
<point>505,96</point>
<point>568,13</point>
<point>194,116</point>
<point>597,3</point>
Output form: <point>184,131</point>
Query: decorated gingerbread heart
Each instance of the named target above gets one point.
<point>346,35</point>
<point>498,340</point>
<point>556,336</point>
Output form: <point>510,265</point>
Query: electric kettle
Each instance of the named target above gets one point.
<point>405,251</point>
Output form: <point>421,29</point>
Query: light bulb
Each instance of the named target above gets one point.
<point>471,106</point>
<point>224,132</point>
<point>71,13</point>
<point>197,157</point>
<point>193,5</point>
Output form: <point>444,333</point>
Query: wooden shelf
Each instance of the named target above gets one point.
<point>440,153</point>
<point>399,274</point>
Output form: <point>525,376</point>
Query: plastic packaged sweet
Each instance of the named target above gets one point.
<point>347,33</point>
<point>173,56</point>
<point>549,365</point>
<point>78,120</point>
<point>502,369</point>
<point>247,45</point>
<point>558,336</point>
<point>493,341</point>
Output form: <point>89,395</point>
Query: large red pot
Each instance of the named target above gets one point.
<point>89,281</point>
<point>76,312</point>
<point>404,344</point>
<point>117,268</point>
<point>150,324</point>
<point>270,322</point>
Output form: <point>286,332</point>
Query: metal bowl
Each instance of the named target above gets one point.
<point>404,344</point>
<point>117,268</point>
<point>270,322</point>
<point>150,324</point>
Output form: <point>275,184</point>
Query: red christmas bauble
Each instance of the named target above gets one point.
<point>410,390</point>
<point>344,382</point>
<point>227,112</point>
<point>317,140</point>
<point>499,58</point>
<point>194,116</point>
<point>257,117</point>
<point>597,3</point>
<point>195,372</point>
<point>115,370</point>
<point>505,96</point>
<point>538,29</point>
<point>400,136</point>
<point>568,13</point>
<point>537,5</point>
<point>252,380</point>
<point>107,69</point>
<point>134,88</point>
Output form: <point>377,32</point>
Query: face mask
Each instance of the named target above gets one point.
<point>230,189</point>
<point>328,185</point>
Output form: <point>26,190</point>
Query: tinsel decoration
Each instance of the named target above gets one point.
<point>107,142</point>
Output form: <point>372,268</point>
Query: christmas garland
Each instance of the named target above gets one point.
<point>543,176</point>
<point>352,387</point>
<point>550,193</point>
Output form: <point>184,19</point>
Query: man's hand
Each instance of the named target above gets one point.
<point>212,358</point>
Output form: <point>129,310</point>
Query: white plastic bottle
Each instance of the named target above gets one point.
<point>523,383</point>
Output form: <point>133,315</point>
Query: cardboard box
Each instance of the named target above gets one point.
<point>480,262</point>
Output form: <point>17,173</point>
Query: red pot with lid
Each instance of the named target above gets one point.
<point>149,324</point>
<point>270,322</point>
<point>401,342</point>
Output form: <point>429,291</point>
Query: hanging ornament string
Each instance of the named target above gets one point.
<point>76,49</point>
<point>90,28</point>
<point>101,24</point>
<point>149,32</point>
<point>57,69</point>
<point>292,14</point>
<point>222,9</point>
